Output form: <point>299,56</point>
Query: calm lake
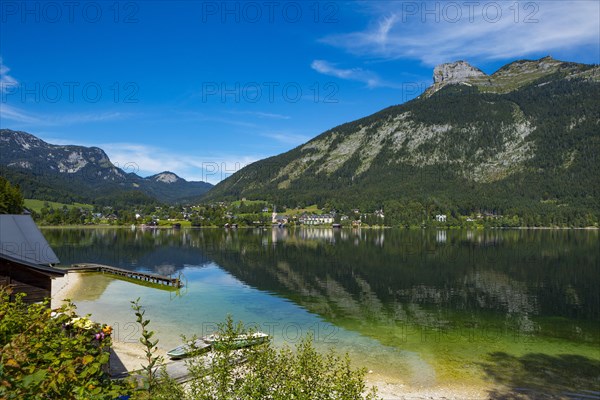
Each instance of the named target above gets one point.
<point>423,308</point>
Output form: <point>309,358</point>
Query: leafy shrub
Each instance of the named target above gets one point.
<point>52,354</point>
<point>58,355</point>
<point>263,372</point>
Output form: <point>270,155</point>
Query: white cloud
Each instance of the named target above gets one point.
<point>353,74</point>
<point>82,118</point>
<point>202,117</point>
<point>6,81</point>
<point>11,113</point>
<point>261,114</point>
<point>148,160</point>
<point>287,138</point>
<point>435,32</point>
<point>17,114</point>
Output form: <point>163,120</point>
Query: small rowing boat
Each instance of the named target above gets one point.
<point>205,344</point>
<point>198,346</point>
<point>237,342</point>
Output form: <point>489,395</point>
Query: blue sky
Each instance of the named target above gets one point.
<point>204,88</point>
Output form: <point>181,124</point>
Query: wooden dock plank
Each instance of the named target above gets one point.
<point>177,370</point>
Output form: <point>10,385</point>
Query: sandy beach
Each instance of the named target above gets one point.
<point>129,356</point>
<point>390,391</point>
<point>64,287</point>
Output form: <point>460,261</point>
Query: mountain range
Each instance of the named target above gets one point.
<point>525,137</point>
<point>76,173</point>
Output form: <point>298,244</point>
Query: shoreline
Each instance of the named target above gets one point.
<point>64,287</point>
<point>476,228</point>
<point>128,356</point>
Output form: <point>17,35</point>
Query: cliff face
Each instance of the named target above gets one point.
<point>455,72</point>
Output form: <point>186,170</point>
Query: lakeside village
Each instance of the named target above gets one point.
<point>256,213</point>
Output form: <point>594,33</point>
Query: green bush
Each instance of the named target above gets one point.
<point>263,372</point>
<point>11,199</point>
<point>52,354</point>
<point>57,355</point>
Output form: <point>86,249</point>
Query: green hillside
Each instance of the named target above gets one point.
<point>37,205</point>
<point>532,151</point>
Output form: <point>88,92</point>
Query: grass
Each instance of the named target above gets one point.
<point>37,205</point>
<point>184,223</point>
<point>299,211</point>
<point>248,202</point>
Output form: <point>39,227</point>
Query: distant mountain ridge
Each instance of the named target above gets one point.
<point>525,137</point>
<point>50,172</point>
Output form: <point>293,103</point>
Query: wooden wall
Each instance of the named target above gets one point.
<point>25,279</point>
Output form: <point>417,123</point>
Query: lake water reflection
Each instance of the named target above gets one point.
<point>423,308</point>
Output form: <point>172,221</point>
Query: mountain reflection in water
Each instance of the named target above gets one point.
<point>438,298</point>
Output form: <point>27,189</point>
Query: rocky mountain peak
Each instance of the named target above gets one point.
<point>166,177</point>
<point>20,139</point>
<point>455,72</point>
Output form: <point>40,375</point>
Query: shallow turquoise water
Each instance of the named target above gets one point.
<point>424,308</point>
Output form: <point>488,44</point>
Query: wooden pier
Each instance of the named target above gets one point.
<point>142,276</point>
<point>178,370</point>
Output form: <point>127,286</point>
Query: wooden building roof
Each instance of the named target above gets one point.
<point>21,240</point>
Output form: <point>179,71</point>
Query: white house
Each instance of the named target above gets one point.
<point>314,219</point>
<point>440,218</point>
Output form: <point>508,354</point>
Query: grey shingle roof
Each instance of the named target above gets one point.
<point>21,239</point>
